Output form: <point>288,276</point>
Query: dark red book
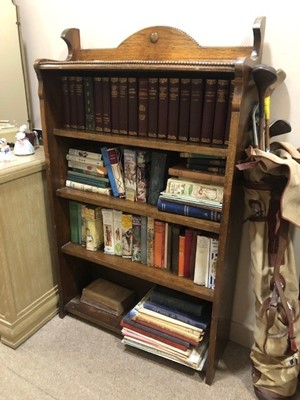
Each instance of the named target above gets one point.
<point>132,106</point>
<point>173,110</point>
<point>98,103</point>
<point>228,119</point>
<point>175,248</point>
<point>163,104</point>
<point>123,105</point>
<point>73,106</point>
<point>143,106</point>
<point>79,95</point>
<point>208,110</point>
<point>114,112</point>
<point>193,253</point>
<point>188,251</point>
<point>184,109</point>
<point>152,107</point>
<point>221,109</point>
<point>66,102</point>
<point>106,104</point>
<point>196,106</point>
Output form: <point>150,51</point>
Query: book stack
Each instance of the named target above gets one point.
<point>86,171</point>
<point>171,325</point>
<point>108,297</point>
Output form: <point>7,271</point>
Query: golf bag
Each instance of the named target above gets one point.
<point>272,201</point>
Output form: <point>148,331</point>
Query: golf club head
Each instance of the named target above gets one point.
<point>279,127</point>
<point>281,75</point>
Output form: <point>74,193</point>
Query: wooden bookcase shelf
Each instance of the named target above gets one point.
<point>152,52</point>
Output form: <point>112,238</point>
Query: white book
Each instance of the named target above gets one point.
<point>202,259</point>
<point>86,154</point>
<point>108,230</point>
<point>84,160</point>
<point>88,188</point>
<point>130,173</point>
<point>211,276</point>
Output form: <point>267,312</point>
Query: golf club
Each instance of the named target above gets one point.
<point>279,127</point>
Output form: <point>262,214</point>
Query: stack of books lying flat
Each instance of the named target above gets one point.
<point>171,325</point>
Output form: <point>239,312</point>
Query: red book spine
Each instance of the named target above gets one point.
<point>181,255</point>
<point>132,106</point>
<point>159,243</point>
<point>153,107</point>
<point>173,110</point>
<point>143,107</point>
<point>114,88</point>
<point>123,106</point>
<point>184,109</point>
<point>196,107</point>
<point>208,111</point>
<point>163,104</point>
<point>220,111</point>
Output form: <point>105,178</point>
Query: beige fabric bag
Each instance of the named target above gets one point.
<point>272,201</point>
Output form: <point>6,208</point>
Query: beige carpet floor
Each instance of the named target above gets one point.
<point>69,359</point>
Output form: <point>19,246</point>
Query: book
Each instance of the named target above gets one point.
<point>184,109</point>
<point>175,248</point>
<point>136,238</point>
<point>113,296</point>
<point>143,106</point>
<point>181,255</point>
<point>195,233</point>
<point>79,98</point>
<point>190,201</point>
<point>221,108</point>
<point>188,252</point>
<point>190,211</point>
<point>88,188</point>
<point>123,105</point>
<point>132,106</point>
<point>114,104</point>
<point>66,102</point>
<point>94,227</point>
<point>126,222</point>
<point>143,239</point>
<point>150,241</point>
<point>168,246</point>
<point>83,225</point>
<point>143,164</point>
<point>114,156</point>
<point>130,173</point>
<point>202,259</point>
<point>196,106</point>
<point>173,108</point>
<point>85,154</point>
<point>88,168</point>
<point>213,257</point>
<point>106,104</point>
<point>88,175</point>
<point>117,233</point>
<point>229,109</point>
<point>208,110</point>
<point>73,103</point>
<point>98,103</point>
<point>89,103</point>
<point>84,159</point>
<point>152,107</point>
<point>109,170</point>
<point>108,230</point>
<point>86,179</point>
<point>181,171</point>
<point>163,105</point>
<point>159,243</point>
<point>160,162</point>
<point>75,220</point>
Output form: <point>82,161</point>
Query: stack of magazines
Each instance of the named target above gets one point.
<point>171,325</point>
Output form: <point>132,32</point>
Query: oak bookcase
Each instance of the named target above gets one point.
<point>159,51</point>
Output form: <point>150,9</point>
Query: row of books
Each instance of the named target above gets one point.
<point>187,109</point>
<point>171,325</point>
<point>183,251</point>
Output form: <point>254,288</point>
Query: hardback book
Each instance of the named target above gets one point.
<point>196,106</point>
<point>159,243</point>
<point>84,159</point>
<point>87,179</point>
<point>188,251</point>
<point>184,109</point>
<point>173,108</point>
<point>126,221</point>
<point>195,233</point>
<point>183,209</point>
<point>163,105</point>
<point>123,105</point>
<point>107,164</point>
<point>88,168</point>
<point>130,173</point>
<point>114,96</point>
<point>73,104</point>
<point>89,175</point>
<point>83,225</point>
<point>89,103</point>
<point>175,248</point>
<point>114,156</point>
<point>181,255</point>
<point>136,238</point>
<point>85,154</point>
<point>168,246</point>
<point>117,233</point>
<point>152,107</point>
<point>209,103</point>
<point>132,106</point>
<point>88,188</point>
<point>181,171</point>
<point>108,230</point>
<point>143,164</point>
<point>202,259</point>
<point>94,228</point>
<point>98,103</point>
<point>190,201</point>
<point>143,239</point>
<point>79,96</point>
<point>109,294</point>
<point>228,119</point>
<point>211,277</point>
<point>221,108</point>
<point>75,220</point>
<point>66,102</point>
<point>143,106</point>
<point>150,241</point>
<point>106,104</point>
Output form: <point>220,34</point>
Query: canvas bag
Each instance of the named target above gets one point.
<point>272,202</point>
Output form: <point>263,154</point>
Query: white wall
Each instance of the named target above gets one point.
<point>108,23</point>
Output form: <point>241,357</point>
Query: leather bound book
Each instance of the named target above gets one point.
<point>142,106</point>
<point>175,248</point>
<point>208,110</point>
<point>163,105</point>
<point>114,88</point>
<point>73,108</point>
<point>228,119</point>
<point>196,106</point>
<point>173,111</point>
<point>98,103</point>
<point>79,95</point>
<point>89,103</point>
<point>159,244</point>
<point>106,104</point>
<point>184,109</point>
<point>181,255</point>
<point>220,111</point>
<point>132,106</point>
<point>152,107</point>
<point>123,105</point>
<point>66,102</point>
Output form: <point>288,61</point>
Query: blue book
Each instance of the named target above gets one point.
<point>87,180</point>
<point>110,174</point>
<point>190,211</point>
